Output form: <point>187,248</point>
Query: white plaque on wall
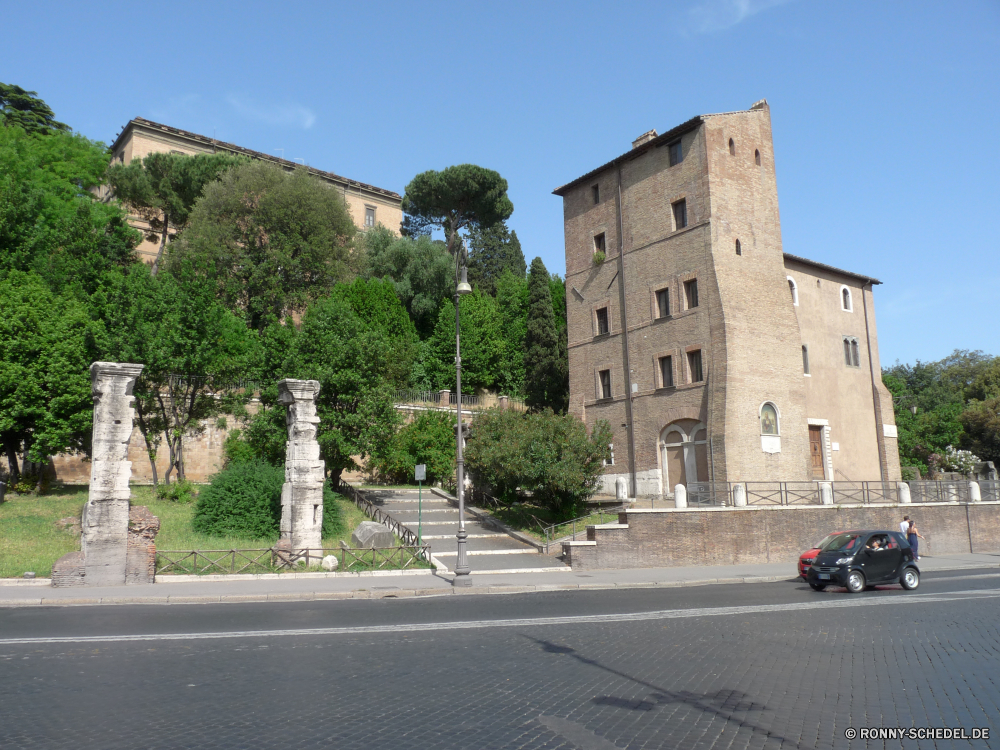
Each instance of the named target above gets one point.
<point>889,430</point>
<point>770,443</point>
<point>835,446</point>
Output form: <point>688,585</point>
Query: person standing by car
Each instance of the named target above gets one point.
<point>912,535</point>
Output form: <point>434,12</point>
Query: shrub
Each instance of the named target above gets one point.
<point>430,440</point>
<point>333,522</point>
<point>182,491</point>
<point>549,455</point>
<point>244,500</point>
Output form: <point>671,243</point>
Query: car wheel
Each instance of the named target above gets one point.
<point>855,582</point>
<point>910,579</point>
<point>818,586</point>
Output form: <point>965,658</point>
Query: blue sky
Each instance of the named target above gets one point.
<point>886,115</point>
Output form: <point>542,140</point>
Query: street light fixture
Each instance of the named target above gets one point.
<point>462,563</point>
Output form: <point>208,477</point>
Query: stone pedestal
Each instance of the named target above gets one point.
<point>104,527</point>
<point>302,493</point>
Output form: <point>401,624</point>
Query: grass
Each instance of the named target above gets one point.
<point>32,540</point>
<point>532,519</point>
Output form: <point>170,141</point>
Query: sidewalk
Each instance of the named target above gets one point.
<point>315,587</point>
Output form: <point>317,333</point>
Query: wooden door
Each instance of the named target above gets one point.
<point>816,452</point>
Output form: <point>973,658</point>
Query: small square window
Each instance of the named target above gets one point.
<point>680,215</point>
<point>603,326</point>
<point>691,293</point>
<point>694,364</point>
<point>666,372</point>
<point>600,246</point>
<point>676,154</point>
<point>605,383</point>
<point>663,303</point>
<point>596,192</point>
<point>369,216</point>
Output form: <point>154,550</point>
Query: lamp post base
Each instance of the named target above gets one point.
<point>462,581</point>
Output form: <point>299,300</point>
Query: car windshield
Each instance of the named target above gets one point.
<point>841,543</point>
<point>826,540</point>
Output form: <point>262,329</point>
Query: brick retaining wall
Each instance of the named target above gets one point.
<point>732,536</point>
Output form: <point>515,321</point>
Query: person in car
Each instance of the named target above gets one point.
<point>875,543</point>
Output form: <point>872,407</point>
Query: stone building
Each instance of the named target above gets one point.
<point>736,362</point>
<point>367,205</point>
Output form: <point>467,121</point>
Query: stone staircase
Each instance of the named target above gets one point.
<point>489,548</point>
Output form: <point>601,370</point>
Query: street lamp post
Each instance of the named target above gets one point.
<point>462,564</point>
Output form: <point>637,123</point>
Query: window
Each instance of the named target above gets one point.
<point>605,376</point>
<point>691,293</point>
<point>794,289</point>
<point>739,248</point>
<point>732,147</point>
<point>680,215</point>
<point>611,450</point>
<point>663,303</point>
<point>596,192</point>
<point>666,372</point>
<point>694,364</point>
<point>599,243</point>
<point>805,359</point>
<point>603,326</point>
<point>768,420</point>
<point>845,300</point>
<point>369,216</point>
<point>756,156</point>
<point>852,355</point>
<point>676,154</point>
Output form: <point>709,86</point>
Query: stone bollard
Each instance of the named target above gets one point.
<point>680,496</point>
<point>975,496</point>
<point>302,493</point>
<point>826,493</point>
<point>621,489</point>
<point>503,402</point>
<point>739,495</point>
<point>444,398</point>
<point>904,492</point>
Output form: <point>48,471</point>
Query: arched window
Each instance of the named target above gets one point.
<point>756,156</point>
<point>846,304</point>
<point>793,288</point>
<point>739,248</point>
<point>732,147</point>
<point>805,359</point>
<point>768,419</point>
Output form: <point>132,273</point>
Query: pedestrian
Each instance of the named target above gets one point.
<point>912,535</point>
<point>904,526</point>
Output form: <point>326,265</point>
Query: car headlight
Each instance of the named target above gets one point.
<point>845,561</point>
<point>808,560</point>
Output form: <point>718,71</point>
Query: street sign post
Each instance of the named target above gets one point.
<point>420,474</point>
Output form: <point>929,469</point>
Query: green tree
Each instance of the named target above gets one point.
<point>512,304</point>
<point>420,269</point>
<point>981,421</point>
<point>25,110</point>
<point>461,197</point>
<point>548,455</point>
<point>46,347</point>
<point>545,370</point>
<point>162,189</point>
<point>483,345</point>
<point>275,240</point>
<point>430,440</point>
<point>192,349</point>
<point>492,251</point>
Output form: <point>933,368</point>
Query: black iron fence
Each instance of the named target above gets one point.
<point>278,559</point>
<point>939,492</point>
<point>405,535</point>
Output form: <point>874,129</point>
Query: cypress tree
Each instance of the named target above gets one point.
<point>493,250</point>
<point>543,367</point>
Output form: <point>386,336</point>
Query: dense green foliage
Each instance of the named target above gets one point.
<point>242,500</point>
<point>545,363</point>
<point>428,440</point>
<point>958,404</point>
<point>272,241</point>
<point>23,109</point>
<point>545,454</point>
<point>493,251</point>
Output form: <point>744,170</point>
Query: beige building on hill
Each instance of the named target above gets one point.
<point>736,361</point>
<point>367,204</point>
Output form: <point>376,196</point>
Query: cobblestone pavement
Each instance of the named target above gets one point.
<point>692,669</point>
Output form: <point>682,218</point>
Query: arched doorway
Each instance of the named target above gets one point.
<point>684,453</point>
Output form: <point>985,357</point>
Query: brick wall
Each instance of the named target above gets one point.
<point>728,536</point>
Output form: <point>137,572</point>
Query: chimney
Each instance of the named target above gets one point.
<point>644,138</point>
<point>762,104</point>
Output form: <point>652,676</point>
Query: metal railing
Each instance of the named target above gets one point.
<point>406,536</point>
<point>989,490</point>
<point>709,494</point>
<point>940,492</point>
<point>568,530</point>
<point>865,493</point>
<point>782,493</point>
<point>433,400</point>
<point>276,559</point>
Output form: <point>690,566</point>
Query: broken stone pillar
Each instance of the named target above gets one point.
<point>302,493</point>
<point>104,527</point>
<point>140,558</point>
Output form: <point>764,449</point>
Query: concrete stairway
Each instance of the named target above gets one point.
<point>489,550</point>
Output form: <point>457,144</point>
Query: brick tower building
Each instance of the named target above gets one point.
<point>736,362</point>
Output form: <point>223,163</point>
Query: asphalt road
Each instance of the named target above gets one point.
<point>725,666</point>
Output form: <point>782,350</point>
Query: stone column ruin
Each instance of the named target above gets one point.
<point>302,493</point>
<point>111,554</point>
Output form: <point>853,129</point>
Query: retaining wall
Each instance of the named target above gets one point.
<point>731,536</point>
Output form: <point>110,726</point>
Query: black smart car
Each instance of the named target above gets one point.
<point>857,559</point>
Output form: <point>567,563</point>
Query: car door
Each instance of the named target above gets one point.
<point>879,565</point>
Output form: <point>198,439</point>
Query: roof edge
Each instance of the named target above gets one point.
<point>834,269</point>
